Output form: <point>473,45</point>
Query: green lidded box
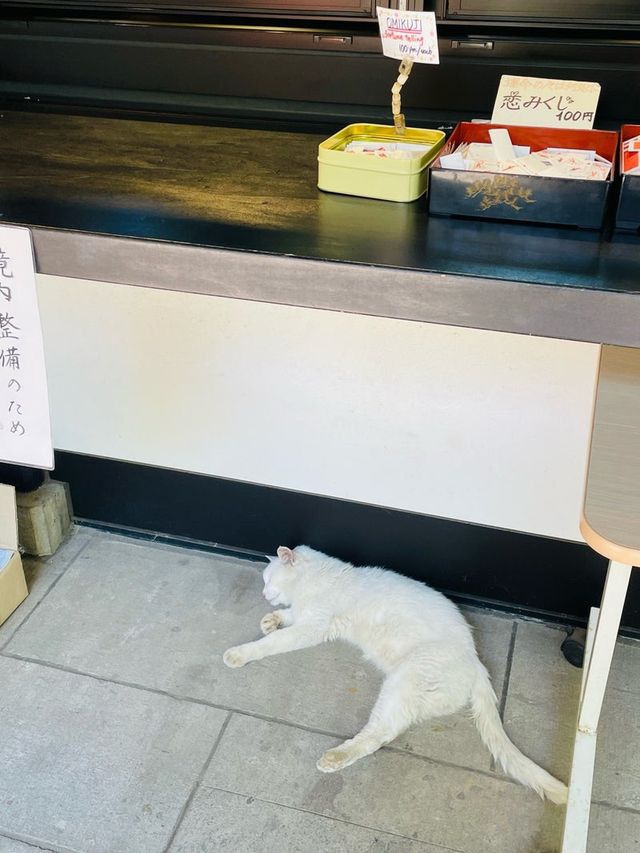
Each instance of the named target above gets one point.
<point>341,171</point>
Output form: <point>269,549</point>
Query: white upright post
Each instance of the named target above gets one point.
<point>601,641</point>
<point>604,643</point>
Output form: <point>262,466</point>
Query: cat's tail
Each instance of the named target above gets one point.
<point>513,762</point>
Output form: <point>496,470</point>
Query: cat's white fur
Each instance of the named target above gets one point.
<point>415,635</point>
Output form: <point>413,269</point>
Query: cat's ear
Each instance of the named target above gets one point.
<point>286,555</point>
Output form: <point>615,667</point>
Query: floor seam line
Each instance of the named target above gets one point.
<point>264,717</point>
<point>505,682</point>
<point>333,817</point>
<point>197,783</point>
<point>507,672</point>
<point>624,690</point>
<point>46,594</point>
<point>486,773</point>
<point>626,809</point>
<point>37,844</point>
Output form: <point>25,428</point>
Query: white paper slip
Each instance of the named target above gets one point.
<point>25,431</point>
<point>501,143</point>
<point>5,556</point>
<point>575,152</point>
<point>409,35</point>
<point>373,145</point>
<point>486,151</point>
<point>453,161</point>
<point>391,150</point>
<point>540,102</point>
<point>466,154</point>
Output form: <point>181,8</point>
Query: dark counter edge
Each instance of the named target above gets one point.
<point>553,311</point>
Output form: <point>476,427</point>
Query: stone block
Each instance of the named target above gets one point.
<point>44,518</point>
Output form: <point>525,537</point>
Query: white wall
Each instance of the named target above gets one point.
<point>466,424</point>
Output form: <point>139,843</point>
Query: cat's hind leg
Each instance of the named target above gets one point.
<point>396,708</point>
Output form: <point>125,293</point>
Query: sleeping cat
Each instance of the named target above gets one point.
<point>415,635</point>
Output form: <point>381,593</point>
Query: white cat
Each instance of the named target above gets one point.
<point>415,635</point>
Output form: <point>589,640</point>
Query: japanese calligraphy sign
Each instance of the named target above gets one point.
<point>538,102</point>
<point>25,432</point>
<point>409,35</point>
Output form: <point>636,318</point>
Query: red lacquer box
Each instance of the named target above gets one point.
<point>524,198</point>
<point>628,214</point>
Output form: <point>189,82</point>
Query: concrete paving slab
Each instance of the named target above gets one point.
<point>541,708</point>
<point>93,766</point>
<point>392,792</point>
<point>171,615</point>
<point>613,831</point>
<point>233,823</point>
<point>41,573</point>
<point>542,698</point>
<point>173,612</point>
<point>625,668</point>
<point>76,751</point>
<point>617,772</point>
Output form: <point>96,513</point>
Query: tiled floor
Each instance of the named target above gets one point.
<point>122,731</point>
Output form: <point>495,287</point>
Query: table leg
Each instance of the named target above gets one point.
<point>601,640</point>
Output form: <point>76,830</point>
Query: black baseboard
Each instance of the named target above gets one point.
<point>531,574</point>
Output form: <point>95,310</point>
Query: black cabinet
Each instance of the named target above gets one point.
<point>338,7</point>
<point>306,58</point>
<point>619,12</point>
<point>319,9</point>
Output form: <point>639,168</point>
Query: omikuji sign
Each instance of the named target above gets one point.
<point>409,35</point>
<point>538,102</point>
<point>25,431</point>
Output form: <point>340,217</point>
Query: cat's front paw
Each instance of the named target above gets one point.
<point>271,622</point>
<point>334,759</point>
<point>235,657</point>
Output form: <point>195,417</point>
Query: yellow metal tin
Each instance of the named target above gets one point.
<point>340,171</point>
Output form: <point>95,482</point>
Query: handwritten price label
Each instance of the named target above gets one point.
<point>546,103</point>
<point>409,35</point>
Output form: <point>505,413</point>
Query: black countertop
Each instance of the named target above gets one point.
<point>255,191</point>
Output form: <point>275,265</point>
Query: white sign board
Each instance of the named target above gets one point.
<point>25,430</point>
<point>538,102</point>
<point>409,35</point>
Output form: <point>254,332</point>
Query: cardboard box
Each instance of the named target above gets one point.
<point>13,587</point>
<point>628,214</point>
<point>524,198</point>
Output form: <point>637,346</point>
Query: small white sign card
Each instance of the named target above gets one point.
<point>25,429</point>
<point>409,35</point>
<point>538,102</point>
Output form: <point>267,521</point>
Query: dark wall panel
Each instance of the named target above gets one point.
<point>516,569</point>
